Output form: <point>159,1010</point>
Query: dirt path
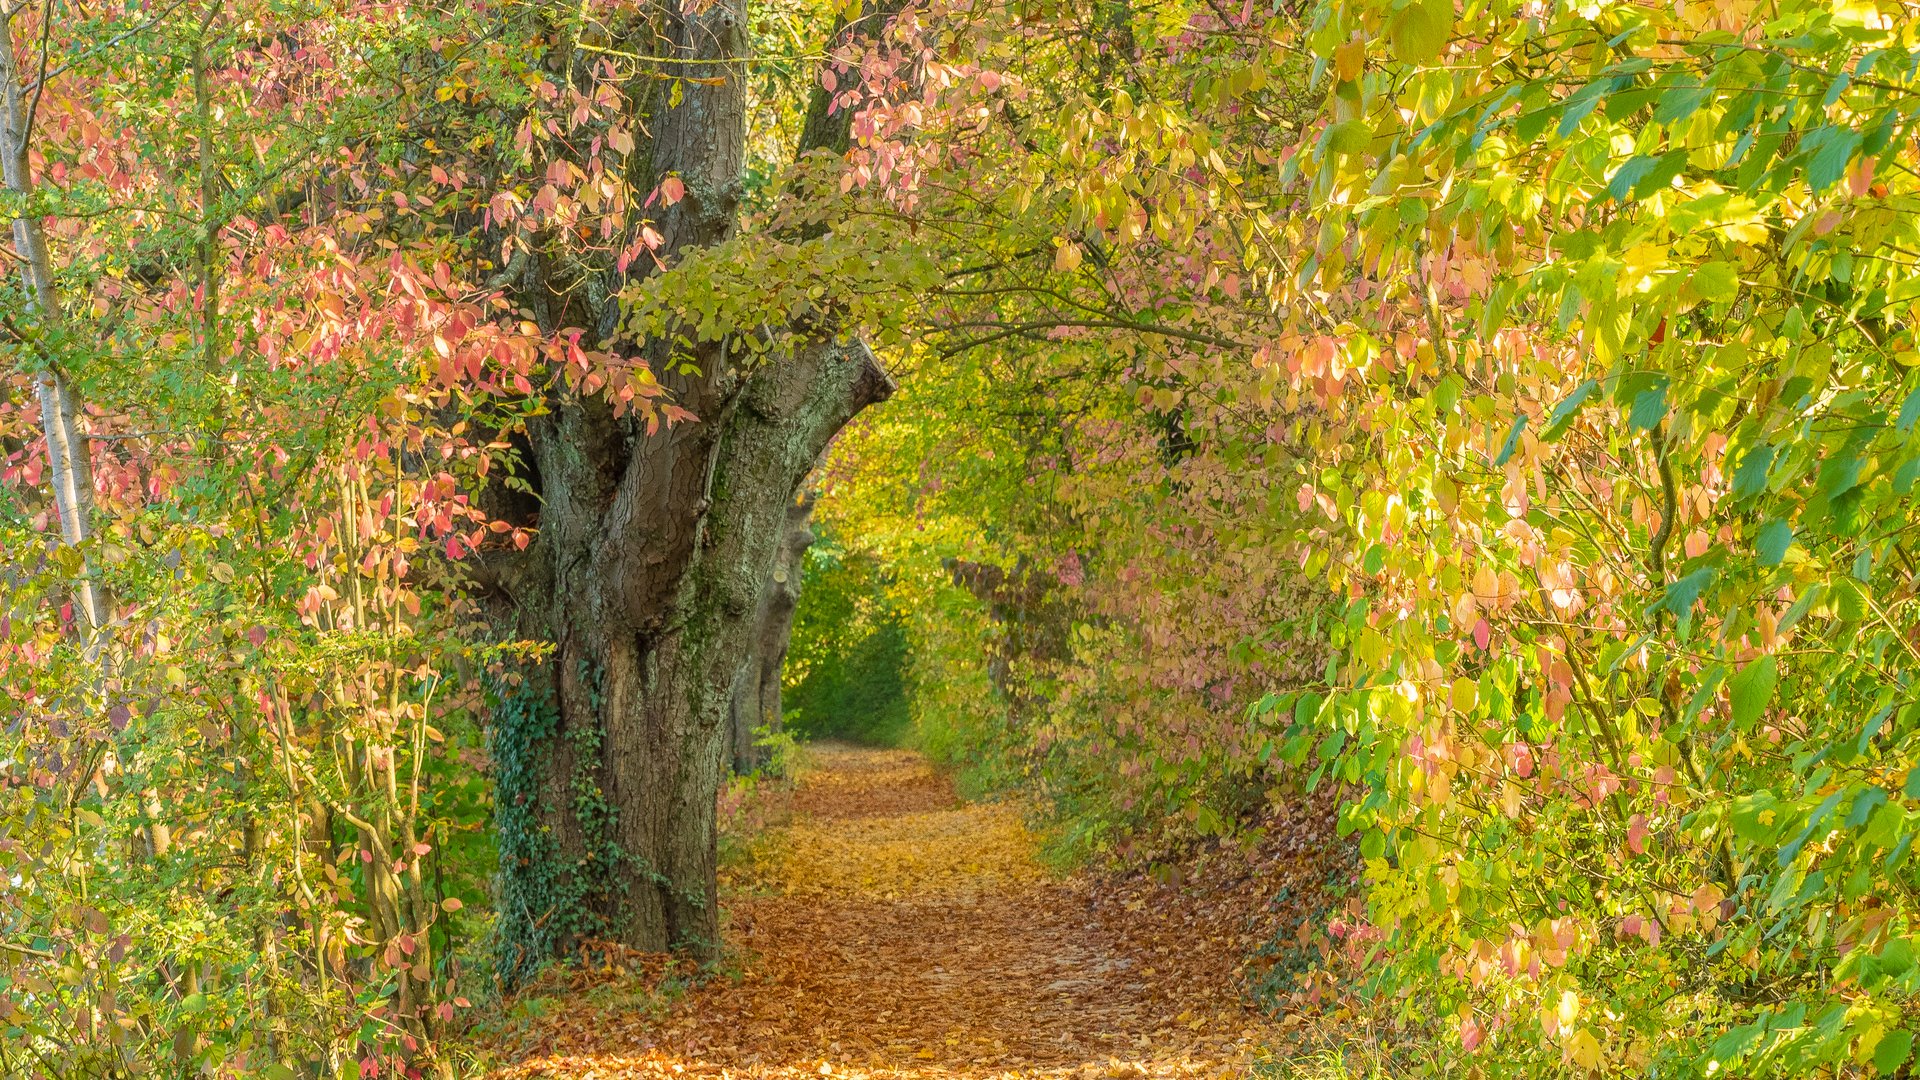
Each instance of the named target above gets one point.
<point>893,931</point>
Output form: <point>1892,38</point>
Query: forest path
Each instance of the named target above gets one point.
<point>891,930</point>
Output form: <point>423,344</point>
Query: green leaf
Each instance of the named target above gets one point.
<point>1420,30</point>
<point>1830,150</point>
<point>1863,807</point>
<point>1750,476</point>
<point>1773,541</point>
<point>1493,310</point>
<point>1906,475</point>
<point>1649,408</point>
<point>1752,689</point>
<point>1884,826</point>
<point>1513,440</point>
<point>1373,845</point>
<point>1892,1050</point>
<point>1909,413</point>
<point>1628,176</point>
<point>1683,593</point>
<point>1581,105</point>
<point>1752,821</point>
<point>1665,168</point>
<point>1564,413</point>
<point>1348,137</point>
<point>1376,559</point>
<point>1849,600</point>
<point>1791,849</point>
<point>1307,707</point>
<point>1678,103</point>
<point>1841,472</point>
<point>1717,282</point>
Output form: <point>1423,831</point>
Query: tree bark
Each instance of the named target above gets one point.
<point>756,690</point>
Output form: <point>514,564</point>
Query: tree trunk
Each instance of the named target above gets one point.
<point>610,753</point>
<point>647,571</point>
<point>756,690</point>
<point>68,467</point>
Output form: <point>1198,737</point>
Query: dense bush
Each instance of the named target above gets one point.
<point>847,667</point>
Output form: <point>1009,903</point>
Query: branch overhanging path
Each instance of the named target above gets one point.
<point>892,930</point>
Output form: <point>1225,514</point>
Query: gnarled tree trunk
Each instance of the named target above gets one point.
<point>611,752</point>
<point>647,570</point>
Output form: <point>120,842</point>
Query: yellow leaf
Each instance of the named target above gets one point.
<point>1350,60</point>
<point>1510,800</point>
<point>1584,1049</point>
<point>1569,1007</point>
<point>1466,693</point>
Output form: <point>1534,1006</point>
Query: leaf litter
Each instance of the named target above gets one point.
<point>891,930</point>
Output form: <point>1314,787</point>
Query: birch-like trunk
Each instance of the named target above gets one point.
<point>68,470</point>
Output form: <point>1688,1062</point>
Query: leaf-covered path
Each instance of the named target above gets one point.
<point>892,930</point>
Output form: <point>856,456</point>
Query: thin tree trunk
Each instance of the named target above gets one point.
<point>68,469</point>
<point>756,690</point>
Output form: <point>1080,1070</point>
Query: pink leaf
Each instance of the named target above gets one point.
<point>1637,834</point>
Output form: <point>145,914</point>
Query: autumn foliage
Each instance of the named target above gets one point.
<point>1505,412</point>
<point>1502,414</point>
